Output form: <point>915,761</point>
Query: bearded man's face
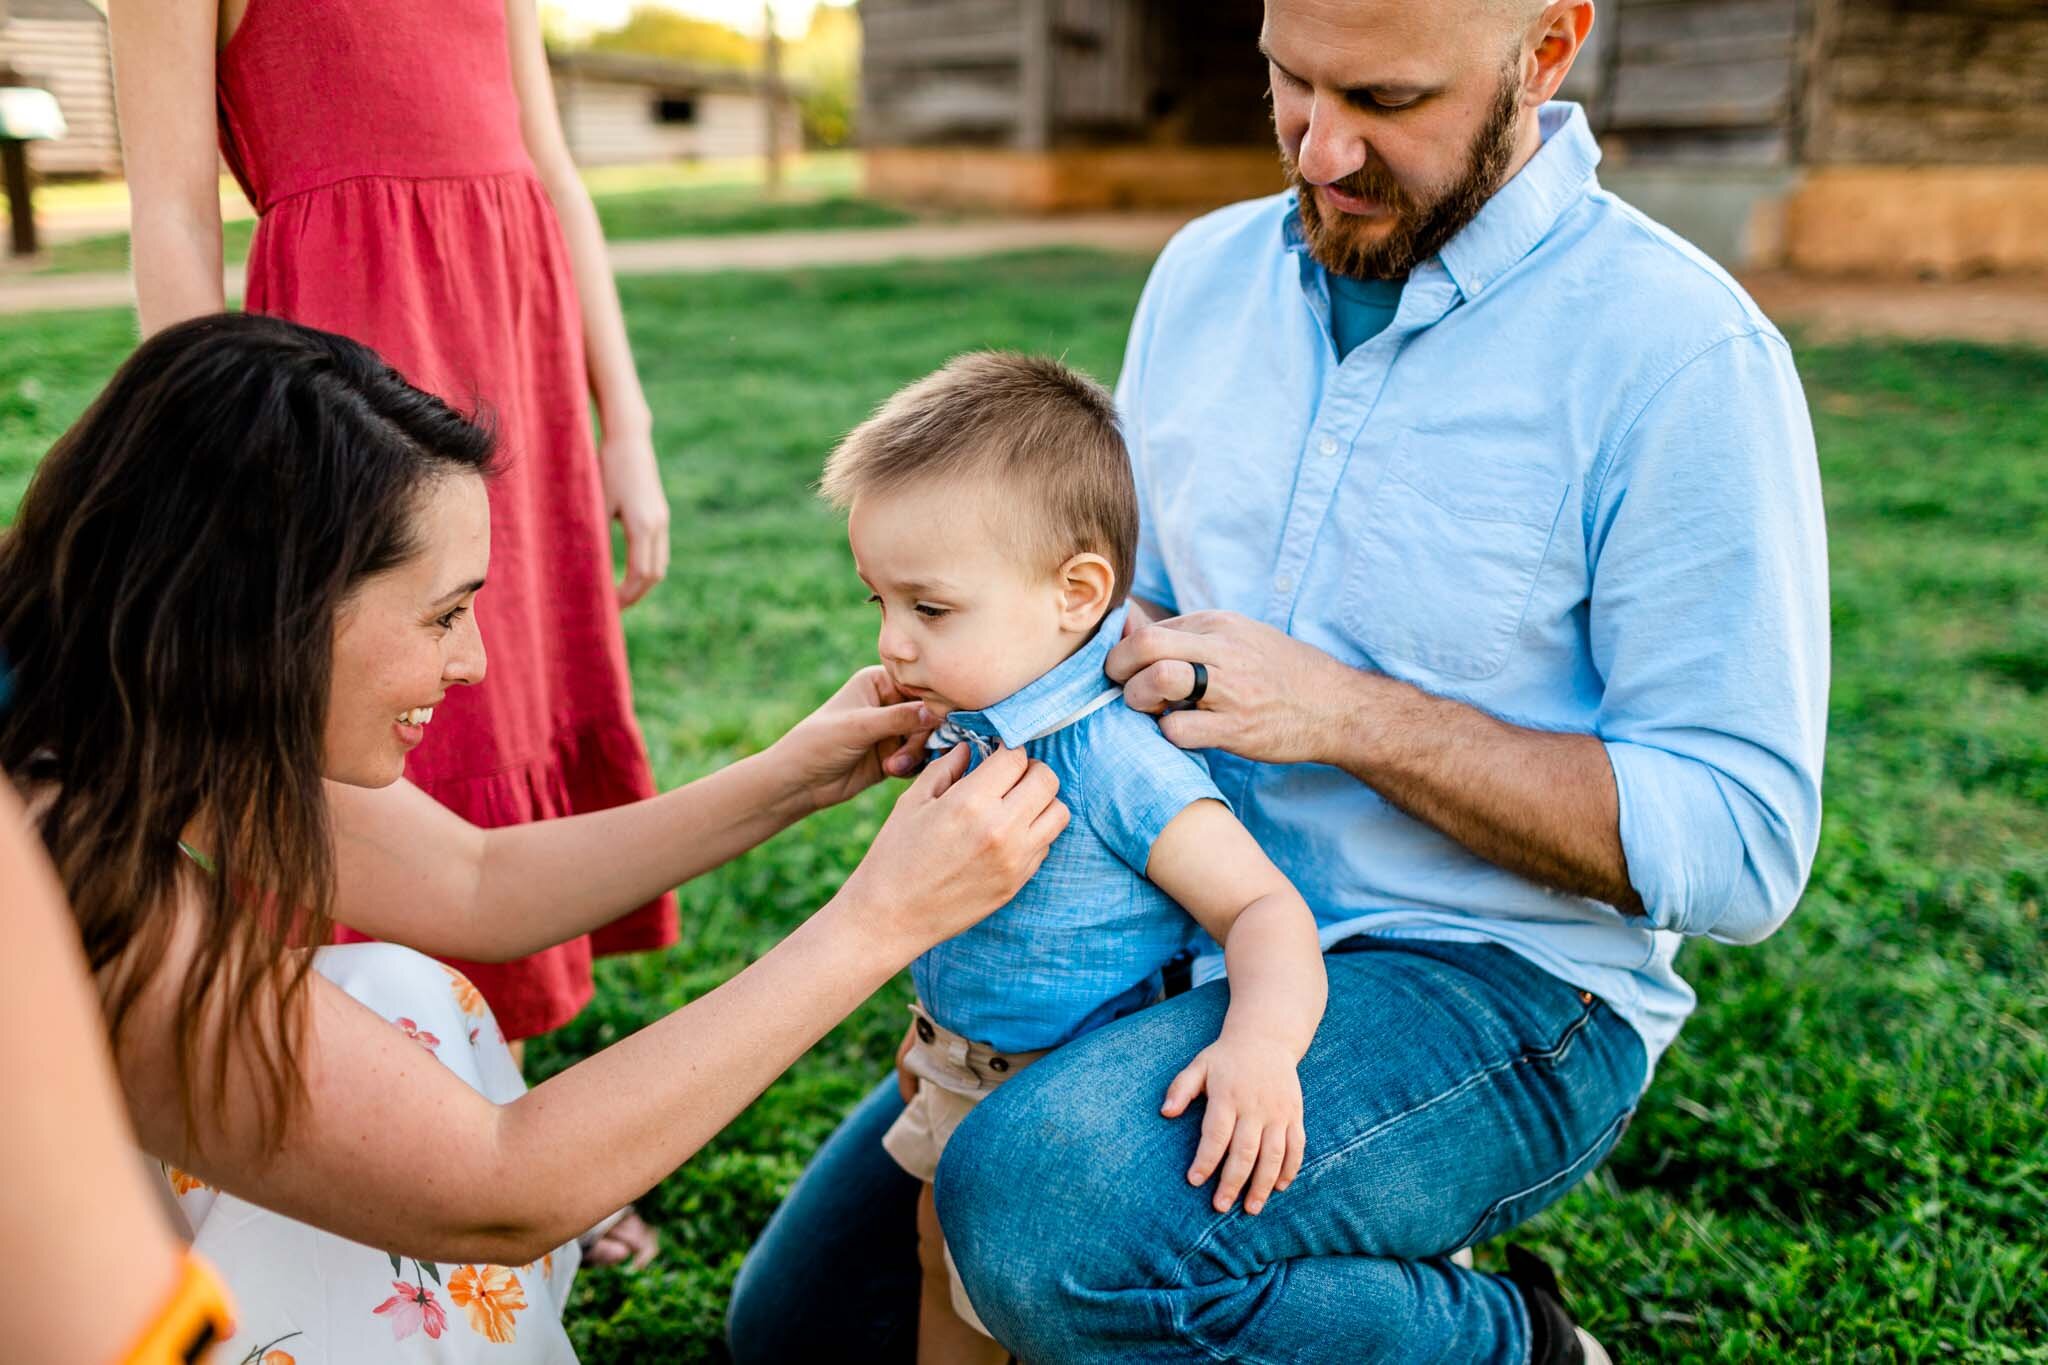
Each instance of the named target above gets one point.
<point>1397,121</point>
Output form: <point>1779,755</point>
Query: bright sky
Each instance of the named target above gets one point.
<point>791,16</point>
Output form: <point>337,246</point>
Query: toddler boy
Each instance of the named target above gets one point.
<point>992,515</point>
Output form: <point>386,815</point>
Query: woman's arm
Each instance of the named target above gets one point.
<point>394,1150</point>
<point>632,479</point>
<point>411,871</point>
<point>92,1253</point>
<point>163,87</point>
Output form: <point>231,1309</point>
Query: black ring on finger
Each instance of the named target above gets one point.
<point>1195,693</point>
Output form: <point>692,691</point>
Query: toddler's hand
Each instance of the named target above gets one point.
<point>1253,1123</point>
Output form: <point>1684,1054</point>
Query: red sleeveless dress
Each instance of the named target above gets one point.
<point>379,141</point>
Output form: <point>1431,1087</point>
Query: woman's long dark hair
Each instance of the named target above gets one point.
<point>168,597</point>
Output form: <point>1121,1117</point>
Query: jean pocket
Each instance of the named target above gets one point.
<point>1442,572</point>
<point>1521,1206</point>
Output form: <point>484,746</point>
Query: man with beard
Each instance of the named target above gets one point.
<point>1482,530</point>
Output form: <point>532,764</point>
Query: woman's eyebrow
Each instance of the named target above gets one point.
<point>465,590</point>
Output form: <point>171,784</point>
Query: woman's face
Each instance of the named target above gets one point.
<point>407,635</point>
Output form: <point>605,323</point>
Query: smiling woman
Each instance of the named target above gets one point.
<point>236,590</point>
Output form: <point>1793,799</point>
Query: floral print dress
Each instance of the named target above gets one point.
<point>303,1296</point>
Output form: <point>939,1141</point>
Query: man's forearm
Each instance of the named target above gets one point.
<point>1537,802</point>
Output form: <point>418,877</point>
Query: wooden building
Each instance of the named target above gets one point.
<point>622,109</point>
<point>1836,135</point>
<point>1065,104</point>
<point>1826,134</point>
<point>61,46</point>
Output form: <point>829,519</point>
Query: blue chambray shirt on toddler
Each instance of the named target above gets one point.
<point>1084,941</point>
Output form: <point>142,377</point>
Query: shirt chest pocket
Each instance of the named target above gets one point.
<point>1444,562</point>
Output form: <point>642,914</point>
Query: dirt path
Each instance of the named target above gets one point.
<point>2003,309</point>
<point>1139,234</point>
<point>2013,309</point>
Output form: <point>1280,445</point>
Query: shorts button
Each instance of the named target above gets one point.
<point>924,1030</point>
<point>999,1063</point>
<point>1585,997</point>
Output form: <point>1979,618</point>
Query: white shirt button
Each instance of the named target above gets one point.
<point>1328,447</point>
<point>1284,583</point>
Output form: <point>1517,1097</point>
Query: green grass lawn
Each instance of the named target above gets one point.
<point>633,202</point>
<point>1845,1158</point>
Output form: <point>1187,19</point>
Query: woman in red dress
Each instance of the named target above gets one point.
<point>415,192</point>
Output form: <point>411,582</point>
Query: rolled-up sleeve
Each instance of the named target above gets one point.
<point>1708,622</point>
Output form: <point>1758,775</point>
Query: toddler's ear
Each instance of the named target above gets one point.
<point>1086,582</point>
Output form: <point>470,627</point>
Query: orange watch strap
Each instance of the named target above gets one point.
<point>196,1318</point>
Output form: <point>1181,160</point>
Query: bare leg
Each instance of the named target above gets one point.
<point>942,1338</point>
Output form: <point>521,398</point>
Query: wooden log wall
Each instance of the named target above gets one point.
<point>68,57</point>
<point>1702,80</point>
<point>942,71</point>
<point>1931,82</point>
<point>1038,74</point>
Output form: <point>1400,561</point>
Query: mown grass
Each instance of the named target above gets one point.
<point>1845,1158</point>
<point>633,202</point>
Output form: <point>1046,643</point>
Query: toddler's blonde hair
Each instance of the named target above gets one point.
<point>1045,434</point>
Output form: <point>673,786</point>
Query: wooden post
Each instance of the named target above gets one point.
<point>1034,76</point>
<point>771,95</point>
<point>21,210</point>
<point>1812,111</point>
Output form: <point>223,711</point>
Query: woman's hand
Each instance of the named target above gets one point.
<point>865,731</point>
<point>633,497</point>
<point>957,847</point>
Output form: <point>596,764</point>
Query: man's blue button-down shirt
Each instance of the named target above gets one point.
<point>1572,484</point>
<point>1085,939</point>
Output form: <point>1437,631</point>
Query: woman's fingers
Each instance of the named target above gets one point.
<point>1034,793</point>
<point>940,774</point>
<point>1272,1157</point>
<point>1181,1091</point>
<point>1050,823</point>
<point>872,725</point>
<point>646,558</point>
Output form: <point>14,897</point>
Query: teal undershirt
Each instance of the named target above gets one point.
<point>1361,309</point>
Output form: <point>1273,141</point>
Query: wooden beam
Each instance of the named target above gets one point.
<point>1034,77</point>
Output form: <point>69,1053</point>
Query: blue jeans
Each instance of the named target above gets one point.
<point>1453,1091</point>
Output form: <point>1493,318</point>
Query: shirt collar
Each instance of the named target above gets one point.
<point>1520,214</point>
<point>1055,695</point>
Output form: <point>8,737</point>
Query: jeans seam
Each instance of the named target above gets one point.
<point>1612,1130</point>
<point>1555,1052</point>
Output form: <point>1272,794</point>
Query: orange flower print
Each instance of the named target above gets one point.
<point>184,1182</point>
<point>468,998</point>
<point>418,1034</point>
<point>268,1354</point>
<point>491,1295</point>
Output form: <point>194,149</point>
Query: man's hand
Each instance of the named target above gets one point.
<point>1252,1127</point>
<point>1270,697</point>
